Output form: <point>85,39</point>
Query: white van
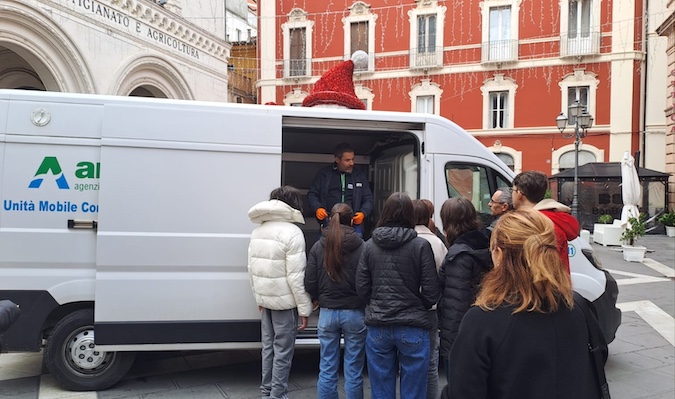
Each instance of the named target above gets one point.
<point>126,218</point>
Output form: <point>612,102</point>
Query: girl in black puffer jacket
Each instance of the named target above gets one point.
<point>329,280</point>
<point>397,279</point>
<point>467,260</point>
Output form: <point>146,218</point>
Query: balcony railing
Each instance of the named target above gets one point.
<point>426,58</point>
<point>499,51</point>
<point>580,44</point>
<point>297,68</point>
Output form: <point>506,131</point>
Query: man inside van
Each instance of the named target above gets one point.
<point>529,189</point>
<point>341,183</point>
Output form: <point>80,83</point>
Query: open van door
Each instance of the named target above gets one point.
<point>176,186</point>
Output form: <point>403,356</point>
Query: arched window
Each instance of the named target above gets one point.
<point>567,159</point>
<point>507,159</point>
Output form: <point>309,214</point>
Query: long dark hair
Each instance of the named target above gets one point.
<point>332,253</point>
<point>458,216</point>
<point>397,212</point>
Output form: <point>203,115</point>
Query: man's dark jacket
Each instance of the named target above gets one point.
<point>397,278</point>
<point>335,294</point>
<point>467,260</point>
<point>362,196</point>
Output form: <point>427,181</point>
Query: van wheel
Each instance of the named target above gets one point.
<point>73,360</point>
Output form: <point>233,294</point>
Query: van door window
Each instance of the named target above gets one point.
<point>472,183</point>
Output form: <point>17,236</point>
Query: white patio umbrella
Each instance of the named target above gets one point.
<point>631,191</point>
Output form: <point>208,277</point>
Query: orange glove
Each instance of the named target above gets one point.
<point>321,214</point>
<point>358,218</point>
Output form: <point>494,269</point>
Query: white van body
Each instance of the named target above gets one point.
<point>135,209</point>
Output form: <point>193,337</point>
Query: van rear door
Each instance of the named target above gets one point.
<point>178,180</point>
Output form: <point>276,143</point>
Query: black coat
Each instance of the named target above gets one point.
<point>529,355</point>
<point>467,260</point>
<point>335,294</point>
<point>362,197</point>
<point>397,278</point>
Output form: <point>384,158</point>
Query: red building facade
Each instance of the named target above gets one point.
<point>501,69</point>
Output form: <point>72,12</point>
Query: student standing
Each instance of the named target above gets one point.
<point>329,279</point>
<point>467,260</point>
<point>276,265</point>
<point>397,278</point>
<point>525,339</point>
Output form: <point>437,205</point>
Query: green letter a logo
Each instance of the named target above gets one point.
<point>50,164</point>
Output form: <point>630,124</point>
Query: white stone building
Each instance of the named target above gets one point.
<point>176,49</point>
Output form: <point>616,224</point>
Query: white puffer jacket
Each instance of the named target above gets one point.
<point>276,258</point>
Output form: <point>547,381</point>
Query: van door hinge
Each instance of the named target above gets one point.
<point>82,224</point>
<point>423,148</point>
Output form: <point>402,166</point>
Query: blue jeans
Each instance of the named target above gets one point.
<point>392,347</point>
<point>332,324</point>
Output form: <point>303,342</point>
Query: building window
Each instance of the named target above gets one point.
<point>507,159</point>
<point>425,104</point>
<point>297,45</point>
<point>563,157</point>
<point>359,31</point>
<point>567,159</point>
<point>510,156</point>
<point>498,102</point>
<point>425,97</point>
<point>499,109</point>
<point>295,98</point>
<point>580,22</point>
<point>500,33</point>
<point>238,35</point>
<point>582,86</point>
<point>426,34</point>
<point>364,94</point>
<point>500,30</point>
<point>298,60</point>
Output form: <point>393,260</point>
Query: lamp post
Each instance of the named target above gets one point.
<point>582,121</point>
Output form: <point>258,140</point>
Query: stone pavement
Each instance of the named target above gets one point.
<point>641,362</point>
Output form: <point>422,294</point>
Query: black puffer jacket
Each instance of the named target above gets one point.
<point>397,278</point>
<point>467,260</point>
<point>335,294</point>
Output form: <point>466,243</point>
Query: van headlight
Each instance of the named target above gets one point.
<point>590,255</point>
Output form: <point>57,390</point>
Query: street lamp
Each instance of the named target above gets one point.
<point>582,121</point>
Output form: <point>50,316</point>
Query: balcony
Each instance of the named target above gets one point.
<point>297,68</point>
<point>499,51</point>
<point>425,59</point>
<point>579,45</point>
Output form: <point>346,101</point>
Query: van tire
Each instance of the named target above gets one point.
<point>72,359</point>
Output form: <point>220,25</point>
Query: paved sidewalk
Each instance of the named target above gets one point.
<point>642,357</point>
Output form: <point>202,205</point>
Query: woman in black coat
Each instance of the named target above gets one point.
<point>465,264</point>
<point>525,339</point>
<point>329,280</point>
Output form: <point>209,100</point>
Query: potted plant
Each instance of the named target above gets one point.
<point>668,219</point>
<point>606,219</point>
<point>636,228</point>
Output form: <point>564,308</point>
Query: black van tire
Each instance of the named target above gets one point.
<point>71,357</point>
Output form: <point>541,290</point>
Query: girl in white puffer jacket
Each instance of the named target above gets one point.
<point>276,265</point>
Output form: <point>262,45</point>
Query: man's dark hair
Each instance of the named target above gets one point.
<point>341,148</point>
<point>397,212</point>
<point>532,184</point>
<point>289,195</point>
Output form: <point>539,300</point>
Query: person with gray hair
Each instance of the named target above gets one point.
<point>500,203</point>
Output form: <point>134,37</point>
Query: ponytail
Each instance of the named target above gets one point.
<point>332,254</point>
